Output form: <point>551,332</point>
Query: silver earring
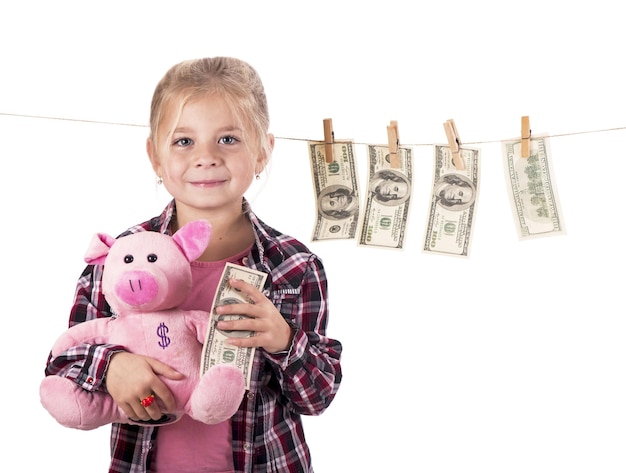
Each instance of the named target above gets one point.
<point>159,180</point>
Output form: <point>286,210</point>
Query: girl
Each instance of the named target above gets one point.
<point>208,140</point>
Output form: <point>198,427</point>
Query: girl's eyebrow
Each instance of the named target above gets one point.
<point>230,129</point>
<point>224,129</point>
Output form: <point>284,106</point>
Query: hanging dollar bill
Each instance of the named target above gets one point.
<point>384,216</point>
<point>336,191</point>
<point>216,349</point>
<point>453,203</point>
<point>532,189</point>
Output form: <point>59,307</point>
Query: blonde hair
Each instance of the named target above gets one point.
<point>233,79</point>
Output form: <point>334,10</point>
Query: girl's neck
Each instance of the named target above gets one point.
<point>231,233</point>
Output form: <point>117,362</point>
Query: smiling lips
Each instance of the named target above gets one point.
<point>208,182</point>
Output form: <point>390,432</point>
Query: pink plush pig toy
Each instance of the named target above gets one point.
<point>146,276</point>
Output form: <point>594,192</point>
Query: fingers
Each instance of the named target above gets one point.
<point>145,409</point>
<point>254,309</point>
<point>239,319</point>
<point>164,396</point>
<point>271,330</point>
<point>135,411</point>
<point>248,289</point>
<point>159,389</point>
<point>164,370</point>
<point>134,383</point>
<point>150,407</point>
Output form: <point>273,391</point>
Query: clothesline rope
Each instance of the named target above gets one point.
<point>98,122</point>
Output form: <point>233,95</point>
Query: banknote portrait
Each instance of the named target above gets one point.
<point>454,192</point>
<point>389,187</point>
<point>338,202</point>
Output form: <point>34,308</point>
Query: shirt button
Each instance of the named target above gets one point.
<point>250,395</point>
<point>245,260</point>
<point>266,292</point>
<point>247,447</point>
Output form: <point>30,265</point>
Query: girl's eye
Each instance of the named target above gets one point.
<point>183,142</point>
<point>228,140</point>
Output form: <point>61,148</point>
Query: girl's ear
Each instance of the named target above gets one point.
<point>154,160</point>
<point>264,155</point>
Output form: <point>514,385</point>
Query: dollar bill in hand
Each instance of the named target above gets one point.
<point>532,189</point>
<point>216,349</point>
<point>452,203</point>
<point>336,191</point>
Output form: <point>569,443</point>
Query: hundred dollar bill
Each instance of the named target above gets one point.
<point>532,189</point>
<point>336,191</point>
<point>453,203</point>
<point>216,350</point>
<point>384,216</point>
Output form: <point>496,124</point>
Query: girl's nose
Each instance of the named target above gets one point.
<point>208,155</point>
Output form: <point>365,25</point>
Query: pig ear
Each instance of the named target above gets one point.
<point>99,248</point>
<point>193,238</point>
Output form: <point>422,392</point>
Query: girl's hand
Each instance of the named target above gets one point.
<point>131,378</point>
<point>271,331</point>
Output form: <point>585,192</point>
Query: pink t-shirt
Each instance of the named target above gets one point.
<point>190,446</point>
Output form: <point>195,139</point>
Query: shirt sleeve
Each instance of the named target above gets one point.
<point>310,373</point>
<point>85,364</point>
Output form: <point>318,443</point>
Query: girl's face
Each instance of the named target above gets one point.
<point>203,159</point>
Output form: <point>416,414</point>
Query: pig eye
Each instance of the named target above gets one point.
<point>152,258</point>
<point>128,259</point>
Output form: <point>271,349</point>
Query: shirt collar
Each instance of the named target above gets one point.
<point>263,237</point>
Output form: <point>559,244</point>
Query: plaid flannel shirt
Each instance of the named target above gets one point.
<point>267,431</point>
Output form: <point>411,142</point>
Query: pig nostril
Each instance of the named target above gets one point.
<point>132,288</point>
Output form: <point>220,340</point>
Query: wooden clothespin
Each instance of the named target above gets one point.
<point>329,139</point>
<point>525,137</point>
<point>454,142</point>
<point>393,137</point>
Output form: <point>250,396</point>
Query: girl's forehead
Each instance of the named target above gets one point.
<point>174,108</point>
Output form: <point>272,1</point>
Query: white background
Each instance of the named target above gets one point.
<point>509,361</point>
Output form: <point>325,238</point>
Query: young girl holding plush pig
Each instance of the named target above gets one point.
<point>208,140</point>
